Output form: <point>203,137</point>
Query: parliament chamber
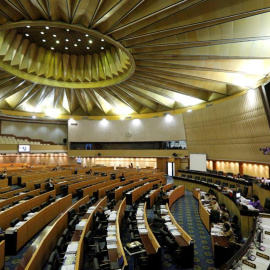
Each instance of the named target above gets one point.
<point>134,134</point>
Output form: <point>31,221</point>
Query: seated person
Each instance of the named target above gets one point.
<point>228,233</point>
<point>256,203</point>
<point>207,196</point>
<point>122,177</point>
<point>224,211</point>
<point>162,195</point>
<point>215,205</point>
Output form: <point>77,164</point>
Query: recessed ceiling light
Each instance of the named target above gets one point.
<point>44,40</point>
<point>67,30</point>
<point>66,48</point>
<point>90,41</point>
<point>27,35</point>
<point>67,40</point>
<point>54,35</point>
<point>87,48</point>
<point>86,35</point>
<point>79,39</point>
<point>42,33</point>
<point>28,26</point>
<point>102,48</point>
<point>75,45</point>
<point>52,48</point>
<point>33,116</point>
<point>57,41</point>
<point>102,39</point>
<point>47,27</point>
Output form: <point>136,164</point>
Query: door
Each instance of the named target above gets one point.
<point>170,169</point>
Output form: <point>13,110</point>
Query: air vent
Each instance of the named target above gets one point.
<point>74,124</point>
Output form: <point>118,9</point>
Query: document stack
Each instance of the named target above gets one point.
<point>91,209</point>
<point>72,248</point>
<point>80,225</point>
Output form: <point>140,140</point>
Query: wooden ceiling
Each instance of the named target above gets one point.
<point>185,52</point>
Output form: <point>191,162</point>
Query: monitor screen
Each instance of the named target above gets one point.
<point>238,195</point>
<point>230,174</point>
<point>24,148</point>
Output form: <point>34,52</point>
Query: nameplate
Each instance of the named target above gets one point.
<point>266,232</point>
<point>263,255</point>
<point>249,263</point>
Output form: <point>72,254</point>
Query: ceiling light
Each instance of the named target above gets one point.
<point>67,40</point>
<point>28,26</point>
<point>136,122</point>
<point>52,48</point>
<point>90,41</point>
<point>102,39</point>
<point>57,41</point>
<point>27,35</point>
<point>33,116</point>
<point>47,27</point>
<point>79,39</point>
<point>42,33</point>
<point>66,48</point>
<point>102,48</point>
<point>87,48</point>
<point>75,45</point>
<point>86,35</point>
<point>168,117</point>
<point>189,110</point>
<point>44,40</point>
<point>67,30</point>
<point>54,35</point>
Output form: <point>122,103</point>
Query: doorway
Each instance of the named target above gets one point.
<point>170,169</point>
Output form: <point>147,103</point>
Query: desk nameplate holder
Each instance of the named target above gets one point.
<point>264,256</point>
<point>249,263</point>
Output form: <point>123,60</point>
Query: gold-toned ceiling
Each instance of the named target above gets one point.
<point>185,52</point>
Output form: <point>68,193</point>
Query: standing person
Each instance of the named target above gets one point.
<point>256,203</point>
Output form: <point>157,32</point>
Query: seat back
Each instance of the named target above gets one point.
<point>24,215</point>
<point>14,222</point>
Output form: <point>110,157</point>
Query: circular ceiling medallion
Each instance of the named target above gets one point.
<point>63,55</point>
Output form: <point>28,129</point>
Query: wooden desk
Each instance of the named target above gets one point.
<point>3,183</point>
<point>88,225</point>
<point>221,250</point>
<point>19,197</point>
<point>205,216</point>
<point>38,254</point>
<point>176,194</point>
<point>32,226</point>
<point>4,189</point>
<point>11,193</point>
<point>2,254</point>
<point>261,192</point>
<point>196,193</point>
<point>136,193</point>
<point>16,211</point>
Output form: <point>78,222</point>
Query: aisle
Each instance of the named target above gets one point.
<point>185,211</point>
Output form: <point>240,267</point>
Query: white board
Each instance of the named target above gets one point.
<point>197,162</point>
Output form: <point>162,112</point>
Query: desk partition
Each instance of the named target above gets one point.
<point>2,254</point>
<point>39,252</point>
<point>4,189</point>
<point>176,194</point>
<point>3,183</point>
<point>17,239</point>
<point>16,212</point>
<point>11,193</point>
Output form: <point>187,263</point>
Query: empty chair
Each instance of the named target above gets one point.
<point>60,245</point>
<point>51,200</point>
<point>66,234</point>
<point>71,225</point>
<point>169,243</point>
<point>79,193</point>
<point>134,237</point>
<point>214,216</point>
<point>24,215</point>
<point>209,180</point>
<point>36,186</point>
<point>232,186</point>
<point>54,260</point>
<point>82,209</point>
<point>71,214</point>
<point>42,192</point>
<point>266,208</point>
<point>15,202</point>
<point>43,205</point>
<point>14,222</point>
<point>88,238</point>
<point>217,183</point>
<point>35,209</point>
<point>224,184</point>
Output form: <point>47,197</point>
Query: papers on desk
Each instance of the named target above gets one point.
<point>216,230</point>
<point>68,267</point>
<point>80,225</point>
<point>69,259</point>
<point>163,206</point>
<point>175,233</point>
<point>111,246</point>
<point>91,209</point>
<point>19,224</point>
<point>72,247</point>
<point>112,216</point>
<point>163,211</point>
<point>142,231</point>
<point>10,230</point>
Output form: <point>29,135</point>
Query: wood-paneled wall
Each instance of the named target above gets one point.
<point>232,130</point>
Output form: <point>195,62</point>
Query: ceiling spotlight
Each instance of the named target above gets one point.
<point>87,48</point>
<point>28,26</point>
<point>79,39</point>
<point>189,110</point>
<point>54,35</point>
<point>102,39</point>
<point>27,35</point>
<point>47,27</point>
<point>33,116</point>
<point>67,40</point>
<point>52,48</point>
<point>90,41</point>
<point>86,35</point>
<point>66,48</point>
<point>67,30</point>
<point>102,48</point>
<point>42,33</point>
<point>75,45</point>
<point>57,41</point>
<point>44,40</point>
